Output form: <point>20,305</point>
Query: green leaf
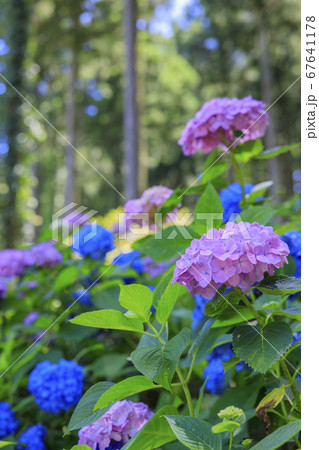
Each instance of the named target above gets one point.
<point>261,348</point>
<point>84,414</point>
<point>266,301</point>
<point>279,285</point>
<point>155,433</point>
<point>65,278</point>
<point>159,362</point>
<point>248,150</point>
<point>278,437</point>
<point>81,447</point>
<point>292,313</point>
<point>174,240</point>
<point>200,397</point>
<point>271,400</point>
<point>230,363</point>
<point>109,319</point>
<point>168,300</point>
<point>259,190</point>
<point>214,166</point>
<point>201,336</point>
<point>123,389</point>
<point>272,152</point>
<point>260,214</point>
<point>194,433</point>
<point>208,211</point>
<point>162,285</point>
<point>223,427</point>
<point>5,443</point>
<point>233,315</point>
<point>137,298</point>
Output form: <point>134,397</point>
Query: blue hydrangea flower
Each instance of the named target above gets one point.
<point>33,438</point>
<point>293,240</point>
<point>199,310</point>
<point>132,260</point>
<point>93,240</point>
<point>231,197</point>
<point>214,370</point>
<point>83,296</point>
<point>9,422</point>
<point>56,387</point>
<point>115,445</point>
<point>296,337</point>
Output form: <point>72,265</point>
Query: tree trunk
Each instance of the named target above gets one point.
<point>130,102</point>
<point>17,37</point>
<point>70,132</point>
<point>266,83</point>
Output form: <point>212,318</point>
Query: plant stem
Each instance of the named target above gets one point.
<point>291,382</point>
<point>231,441</point>
<point>249,306</point>
<point>186,392</point>
<point>239,177</point>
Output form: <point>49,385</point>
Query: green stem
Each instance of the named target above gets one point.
<point>249,306</point>
<point>231,441</point>
<point>186,392</point>
<point>191,367</point>
<point>239,177</point>
<point>291,382</point>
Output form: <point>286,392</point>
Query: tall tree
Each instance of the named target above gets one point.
<point>17,37</point>
<point>130,110</point>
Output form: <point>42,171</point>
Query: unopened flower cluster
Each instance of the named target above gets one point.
<point>238,255</point>
<point>217,120</point>
<point>56,387</point>
<point>116,426</point>
<point>149,203</point>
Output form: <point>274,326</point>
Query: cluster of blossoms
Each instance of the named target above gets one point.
<point>214,370</point>
<point>239,256</point>
<point>217,120</point>
<point>231,198</point>
<point>9,422</point>
<point>56,387</point>
<point>149,203</point>
<point>32,438</point>
<point>116,426</point>
<point>130,260</point>
<point>93,241</point>
<point>293,240</point>
<point>83,296</point>
<point>13,262</point>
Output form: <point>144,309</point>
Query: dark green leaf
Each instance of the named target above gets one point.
<point>201,336</point>
<point>194,433</point>
<point>84,412</point>
<point>233,315</point>
<point>208,211</point>
<point>272,152</point>
<point>278,437</point>
<point>261,348</point>
<point>279,285</point>
<point>260,214</point>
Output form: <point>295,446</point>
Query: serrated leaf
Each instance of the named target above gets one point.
<point>275,151</point>
<point>208,211</point>
<point>278,437</point>
<point>261,348</point>
<point>194,433</point>
<point>174,240</point>
<point>84,414</point>
<point>123,389</point>
<point>260,214</point>
<point>155,433</point>
<point>159,362</point>
<point>201,336</point>
<point>168,300</point>
<point>228,426</point>
<point>280,285</point>
<point>137,298</point>
<point>109,319</point>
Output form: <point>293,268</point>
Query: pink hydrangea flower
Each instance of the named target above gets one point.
<point>238,255</point>
<point>13,262</point>
<point>217,120</point>
<point>150,202</point>
<point>118,424</point>
<point>45,254</point>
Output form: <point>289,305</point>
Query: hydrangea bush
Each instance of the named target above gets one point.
<point>185,337</point>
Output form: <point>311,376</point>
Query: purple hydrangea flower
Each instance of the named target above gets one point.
<point>153,268</point>
<point>45,254</point>
<point>117,425</point>
<point>13,262</point>
<point>3,287</point>
<point>239,256</point>
<point>217,120</point>
<point>149,203</point>
<point>31,318</point>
